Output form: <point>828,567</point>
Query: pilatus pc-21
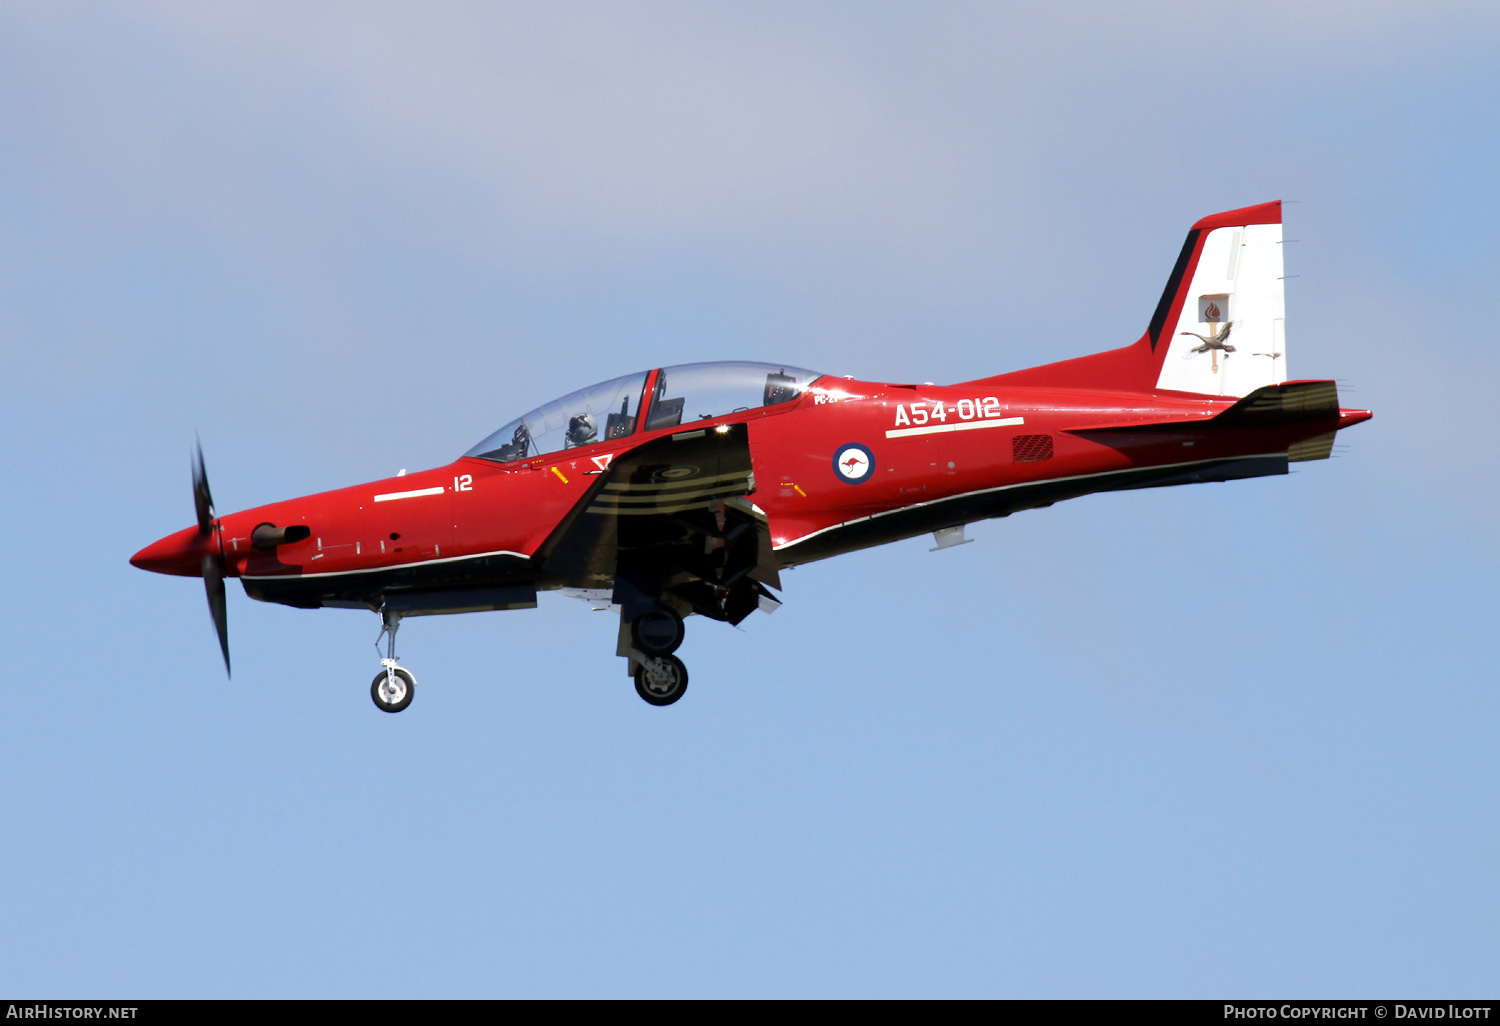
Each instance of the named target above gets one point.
<point>687,489</point>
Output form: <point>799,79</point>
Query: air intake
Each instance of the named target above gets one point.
<point>268,536</point>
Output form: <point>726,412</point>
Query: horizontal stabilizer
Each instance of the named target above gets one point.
<point>1311,404</point>
<point>1290,403</point>
<point>1294,402</point>
<point>1316,448</point>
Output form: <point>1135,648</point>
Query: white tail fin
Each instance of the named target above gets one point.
<point>1219,328</point>
<point>1230,336</point>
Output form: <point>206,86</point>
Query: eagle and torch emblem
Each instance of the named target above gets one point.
<point>1213,311</point>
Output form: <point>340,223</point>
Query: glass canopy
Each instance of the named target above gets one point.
<point>609,410</point>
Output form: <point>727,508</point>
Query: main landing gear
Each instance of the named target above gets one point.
<point>393,687</point>
<point>661,680</point>
<point>659,632</point>
<point>648,642</point>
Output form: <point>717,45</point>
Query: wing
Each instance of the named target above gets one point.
<point>669,521</point>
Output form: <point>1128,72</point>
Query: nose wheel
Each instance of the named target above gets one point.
<point>393,687</point>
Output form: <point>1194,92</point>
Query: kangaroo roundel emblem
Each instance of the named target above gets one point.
<point>853,463</point>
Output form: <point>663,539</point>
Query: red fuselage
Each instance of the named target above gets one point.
<point>686,490</point>
<point>846,465</point>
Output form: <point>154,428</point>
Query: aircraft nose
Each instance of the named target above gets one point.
<point>180,554</point>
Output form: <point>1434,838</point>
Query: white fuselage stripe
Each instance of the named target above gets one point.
<point>964,425</point>
<point>388,496</point>
<point>378,569</point>
<point>1019,484</point>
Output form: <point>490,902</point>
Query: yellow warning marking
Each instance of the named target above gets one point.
<point>560,476</point>
<point>800,491</point>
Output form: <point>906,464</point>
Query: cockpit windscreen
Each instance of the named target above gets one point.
<point>605,411</point>
<point>685,393</point>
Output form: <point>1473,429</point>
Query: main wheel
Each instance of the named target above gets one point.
<point>393,691</point>
<point>658,633</point>
<point>661,680</point>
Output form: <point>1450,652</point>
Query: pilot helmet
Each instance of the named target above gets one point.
<point>582,429</point>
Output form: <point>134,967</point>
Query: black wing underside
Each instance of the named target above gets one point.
<point>669,522</point>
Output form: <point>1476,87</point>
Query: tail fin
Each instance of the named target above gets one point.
<point>1228,324</point>
<point>1219,329</point>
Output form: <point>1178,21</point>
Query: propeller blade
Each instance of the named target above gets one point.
<point>213,583</point>
<point>213,563</point>
<point>203,499</point>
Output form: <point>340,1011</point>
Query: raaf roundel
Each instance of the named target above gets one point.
<point>686,489</point>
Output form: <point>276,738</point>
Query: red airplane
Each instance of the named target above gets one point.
<point>687,489</point>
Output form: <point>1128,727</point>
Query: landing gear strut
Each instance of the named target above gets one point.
<point>393,687</point>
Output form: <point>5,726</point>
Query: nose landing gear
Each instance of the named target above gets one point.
<point>393,687</point>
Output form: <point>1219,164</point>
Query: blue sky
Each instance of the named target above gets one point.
<point>1192,742</point>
